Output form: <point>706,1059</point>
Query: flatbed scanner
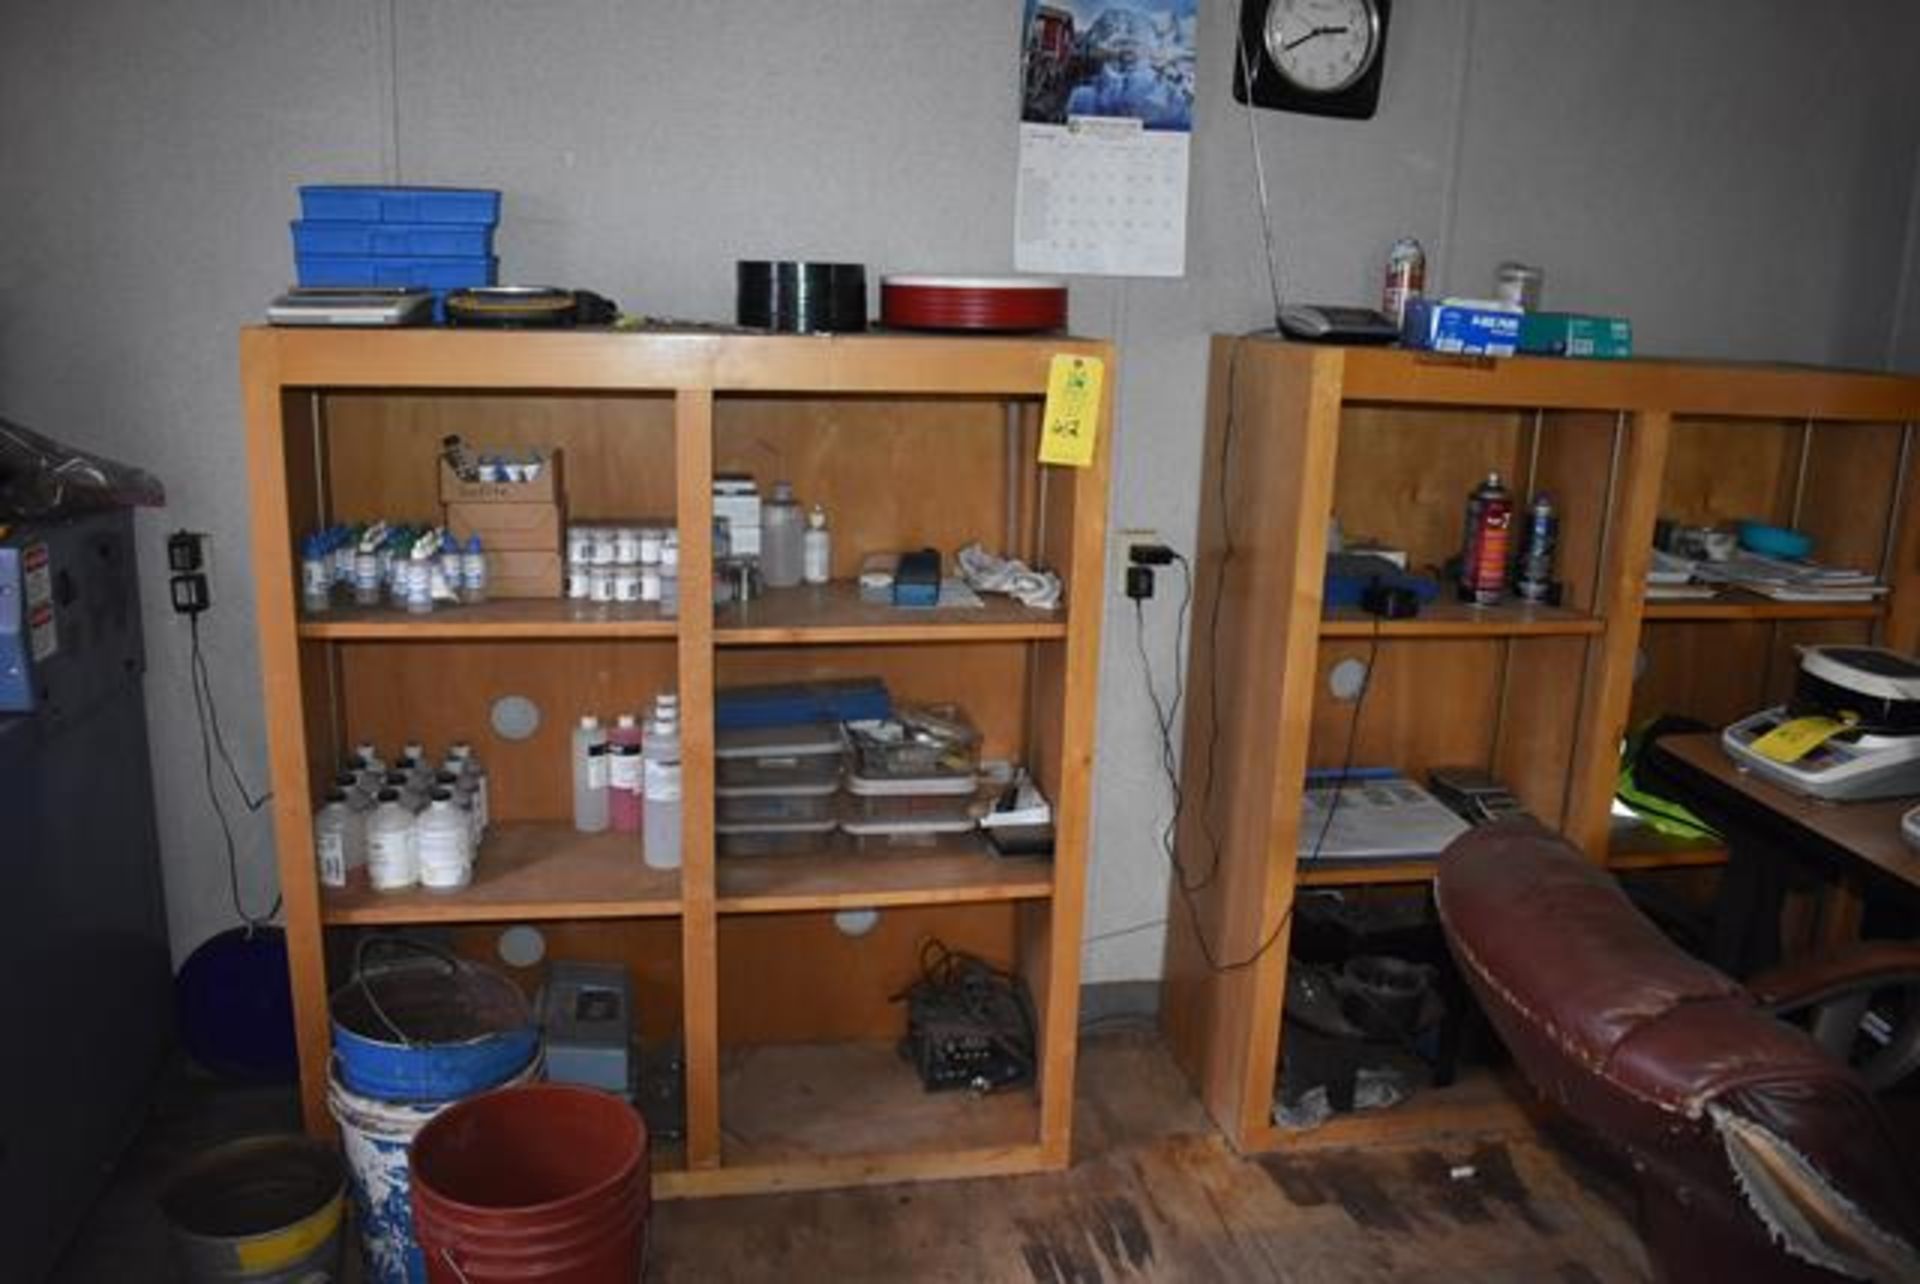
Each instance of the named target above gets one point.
<point>1874,692</point>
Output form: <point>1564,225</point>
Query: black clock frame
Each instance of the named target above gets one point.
<point>1357,101</point>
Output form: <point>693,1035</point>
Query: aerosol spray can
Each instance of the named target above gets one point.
<point>1488,538</point>
<point>1406,278</point>
<point>1533,581</point>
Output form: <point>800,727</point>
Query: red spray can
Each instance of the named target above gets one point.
<point>1487,543</point>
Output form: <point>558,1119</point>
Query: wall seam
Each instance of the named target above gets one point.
<point>1909,260</point>
<point>1457,145</point>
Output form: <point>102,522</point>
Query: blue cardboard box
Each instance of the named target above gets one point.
<point>1464,326</point>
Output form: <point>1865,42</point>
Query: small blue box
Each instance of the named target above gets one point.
<point>392,240</point>
<point>785,704</point>
<point>1460,326</point>
<point>434,273</point>
<point>371,203</point>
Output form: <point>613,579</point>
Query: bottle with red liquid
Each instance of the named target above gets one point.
<point>624,745</point>
<point>1488,538</point>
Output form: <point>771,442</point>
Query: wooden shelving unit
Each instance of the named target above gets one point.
<point>786,1023</point>
<point>1391,442</point>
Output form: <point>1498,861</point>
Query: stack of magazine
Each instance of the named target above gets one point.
<point>1671,578</point>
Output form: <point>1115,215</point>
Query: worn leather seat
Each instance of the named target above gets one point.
<point>1759,1156</point>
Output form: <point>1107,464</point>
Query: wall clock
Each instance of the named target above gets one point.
<point>1322,57</point>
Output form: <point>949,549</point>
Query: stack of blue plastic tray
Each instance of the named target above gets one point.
<point>440,238</point>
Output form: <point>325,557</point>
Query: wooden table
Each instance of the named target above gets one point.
<point>1860,840</point>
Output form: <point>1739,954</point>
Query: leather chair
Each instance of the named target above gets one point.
<point>1759,1155</point>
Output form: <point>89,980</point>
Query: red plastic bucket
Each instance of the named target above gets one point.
<point>542,1182</point>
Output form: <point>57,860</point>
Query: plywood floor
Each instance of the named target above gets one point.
<point>1155,1195</point>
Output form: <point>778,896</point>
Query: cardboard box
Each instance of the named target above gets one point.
<point>547,488</point>
<point>1464,326</point>
<point>534,527</point>
<point>1571,334</point>
<point>524,574</point>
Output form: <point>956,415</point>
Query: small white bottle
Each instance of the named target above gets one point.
<point>816,554</point>
<point>660,816</point>
<point>392,861</point>
<point>316,574</point>
<point>418,574</point>
<point>475,772</point>
<point>330,826</point>
<point>589,776</point>
<point>670,575</point>
<point>473,572</point>
<point>444,843</point>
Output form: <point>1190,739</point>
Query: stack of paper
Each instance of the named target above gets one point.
<point>1786,581</point>
<point>1670,579</point>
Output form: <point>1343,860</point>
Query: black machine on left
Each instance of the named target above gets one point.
<point>87,1008</point>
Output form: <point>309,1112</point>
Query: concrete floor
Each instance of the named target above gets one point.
<point>1154,1195</point>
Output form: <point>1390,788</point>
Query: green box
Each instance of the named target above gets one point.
<point>1570,334</point>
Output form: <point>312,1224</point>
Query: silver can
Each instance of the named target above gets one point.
<point>1518,284</point>
<point>1539,542</point>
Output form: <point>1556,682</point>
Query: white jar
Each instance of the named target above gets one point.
<point>604,546</point>
<point>444,842</point>
<point>579,581</point>
<point>579,543</point>
<point>626,544</point>
<point>600,583</point>
<point>626,582</point>
<point>392,862</point>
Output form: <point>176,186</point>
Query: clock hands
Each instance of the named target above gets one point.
<point>1317,31</point>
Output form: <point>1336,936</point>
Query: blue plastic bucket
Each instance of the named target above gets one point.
<point>374,1136</point>
<point>429,1029</point>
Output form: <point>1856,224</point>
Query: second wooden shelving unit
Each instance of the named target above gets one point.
<point>1391,442</point>
<point>787,1024</point>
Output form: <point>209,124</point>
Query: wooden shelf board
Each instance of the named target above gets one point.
<point>955,870</point>
<point>1736,605</point>
<point>1633,845</point>
<point>833,613</point>
<point>1449,619</point>
<point>1356,874</point>
<point>663,361</point>
<point>507,620</point>
<point>1481,1102</point>
<point>536,870</point>
<point>798,1115</point>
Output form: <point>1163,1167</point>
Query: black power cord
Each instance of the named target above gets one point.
<point>213,740</point>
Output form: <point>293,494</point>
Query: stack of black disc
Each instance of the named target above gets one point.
<point>802,298</point>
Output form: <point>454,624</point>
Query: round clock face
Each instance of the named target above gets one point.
<point>1322,46</point>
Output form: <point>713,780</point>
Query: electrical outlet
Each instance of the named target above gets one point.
<point>1122,539</point>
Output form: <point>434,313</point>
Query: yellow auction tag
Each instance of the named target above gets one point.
<point>1070,424</point>
<point>1795,738</point>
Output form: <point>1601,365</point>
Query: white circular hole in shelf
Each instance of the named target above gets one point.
<point>856,922</point>
<point>1347,679</point>
<point>521,946</point>
<point>515,717</point>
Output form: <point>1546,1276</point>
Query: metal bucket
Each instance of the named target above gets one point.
<point>433,1028</point>
<point>374,1135</point>
<point>265,1209</point>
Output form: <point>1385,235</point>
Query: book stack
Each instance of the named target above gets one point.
<point>1791,581</point>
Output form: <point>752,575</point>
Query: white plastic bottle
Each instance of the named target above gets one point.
<point>781,532</point>
<point>475,772</point>
<point>330,826</point>
<point>660,817</point>
<point>316,574</point>
<point>473,572</point>
<point>392,861</point>
<point>670,575</point>
<point>816,554</point>
<point>589,776</point>
<point>444,843</point>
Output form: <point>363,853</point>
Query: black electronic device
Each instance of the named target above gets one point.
<point>1389,601</point>
<point>1336,323</point>
<point>1476,796</point>
<point>916,580</point>
<point>1321,57</point>
<point>969,1024</point>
